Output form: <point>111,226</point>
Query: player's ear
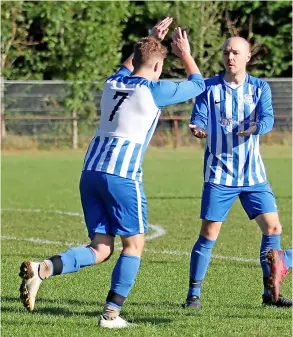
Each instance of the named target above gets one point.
<point>156,67</point>
<point>248,57</point>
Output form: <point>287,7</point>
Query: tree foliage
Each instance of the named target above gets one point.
<point>202,19</point>
<point>78,41</point>
<point>268,27</point>
<point>84,41</point>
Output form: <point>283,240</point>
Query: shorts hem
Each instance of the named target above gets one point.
<point>120,233</point>
<point>262,212</point>
<point>211,219</point>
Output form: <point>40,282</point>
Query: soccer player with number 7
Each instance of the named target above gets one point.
<point>111,189</point>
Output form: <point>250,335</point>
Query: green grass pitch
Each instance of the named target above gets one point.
<point>69,305</point>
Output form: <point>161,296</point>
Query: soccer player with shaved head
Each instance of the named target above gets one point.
<point>232,113</point>
<point>111,189</point>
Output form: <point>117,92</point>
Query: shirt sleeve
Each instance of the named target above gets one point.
<point>199,115</point>
<point>265,120</point>
<point>121,72</point>
<point>169,92</point>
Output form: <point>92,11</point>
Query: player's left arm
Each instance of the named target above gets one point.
<point>167,92</point>
<point>265,120</point>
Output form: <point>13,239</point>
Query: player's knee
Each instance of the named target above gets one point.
<point>133,245</point>
<point>108,255</point>
<point>210,230</point>
<point>133,248</point>
<point>103,253</point>
<point>274,228</point>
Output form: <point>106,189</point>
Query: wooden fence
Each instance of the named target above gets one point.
<point>74,124</point>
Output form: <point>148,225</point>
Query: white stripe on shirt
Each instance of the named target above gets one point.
<point>126,161</point>
<point>115,155</point>
<point>229,114</point>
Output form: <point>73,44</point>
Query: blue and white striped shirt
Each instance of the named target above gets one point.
<point>130,109</point>
<point>223,111</point>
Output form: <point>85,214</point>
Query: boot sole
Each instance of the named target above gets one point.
<point>25,273</point>
<point>275,277</point>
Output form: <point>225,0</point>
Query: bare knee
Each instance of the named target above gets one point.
<point>210,229</point>
<point>133,245</point>
<point>269,223</point>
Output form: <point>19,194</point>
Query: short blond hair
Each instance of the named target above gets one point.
<point>147,48</point>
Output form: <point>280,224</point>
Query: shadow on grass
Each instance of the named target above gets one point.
<point>6,307</point>
<point>159,304</point>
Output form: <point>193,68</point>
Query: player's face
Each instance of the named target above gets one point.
<point>235,55</point>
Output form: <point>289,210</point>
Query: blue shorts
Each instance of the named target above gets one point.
<point>112,204</point>
<point>217,200</point>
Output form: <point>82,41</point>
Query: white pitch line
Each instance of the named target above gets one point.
<point>164,252</point>
<point>159,232</point>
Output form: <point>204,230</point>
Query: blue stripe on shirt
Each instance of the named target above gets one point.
<point>93,151</point>
<point>95,164</point>
<point>109,154</point>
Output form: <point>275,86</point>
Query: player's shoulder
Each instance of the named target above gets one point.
<point>257,82</point>
<point>212,81</point>
<point>121,73</point>
<point>161,87</point>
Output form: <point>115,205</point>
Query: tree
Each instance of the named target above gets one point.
<point>268,27</point>
<point>18,57</point>
<point>76,41</point>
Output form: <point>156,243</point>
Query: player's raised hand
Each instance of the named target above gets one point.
<point>180,44</point>
<point>197,131</point>
<point>161,29</point>
<point>250,131</point>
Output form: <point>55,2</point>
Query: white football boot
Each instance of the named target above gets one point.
<point>116,323</point>
<point>30,284</point>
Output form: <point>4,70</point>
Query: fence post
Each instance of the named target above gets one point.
<point>74,131</point>
<point>176,133</point>
<point>3,129</point>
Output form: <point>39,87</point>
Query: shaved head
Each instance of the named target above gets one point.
<point>237,41</point>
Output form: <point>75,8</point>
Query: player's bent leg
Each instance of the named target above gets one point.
<point>33,273</point>
<point>123,278</point>
<point>272,259</point>
<point>103,247</point>
<point>199,261</point>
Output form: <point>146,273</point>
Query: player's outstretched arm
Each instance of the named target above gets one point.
<point>159,31</point>
<point>181,48</point>
<point>199,117</point>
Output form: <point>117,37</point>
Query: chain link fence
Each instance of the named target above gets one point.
<point>35,114</point>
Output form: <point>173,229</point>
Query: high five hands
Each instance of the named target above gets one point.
<point>160,30</point>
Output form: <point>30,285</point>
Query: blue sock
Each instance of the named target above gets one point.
<point>268,242</point>
<point>288,257</point>
<point>123,278</point>
<point>75,258</point>
<point>199,262</point>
